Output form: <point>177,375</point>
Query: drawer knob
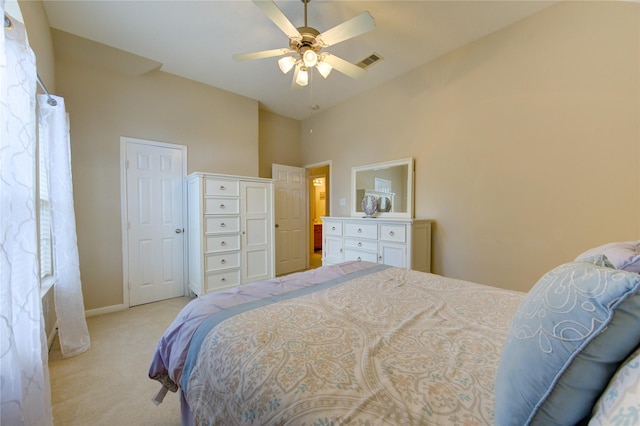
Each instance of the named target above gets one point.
<point>223,261</point>
<point>333,228</point>
<point>222,206</point>
<point>380,258</point>
<point>392,233</point>
<point>223,279</point>
<point>222,225</point>
<point>359,258</point>
<point>222,188</point>
<point>223,243</point>
<point>360,244</point>
<point>359,231</point>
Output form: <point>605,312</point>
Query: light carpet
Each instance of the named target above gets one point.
<point>108,384</point>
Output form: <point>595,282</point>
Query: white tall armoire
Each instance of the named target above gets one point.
<point>230,231</point>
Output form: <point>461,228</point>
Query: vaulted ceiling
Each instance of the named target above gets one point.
<point>196,40</point>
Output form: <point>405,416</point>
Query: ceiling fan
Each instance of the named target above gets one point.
<point>307,43</point>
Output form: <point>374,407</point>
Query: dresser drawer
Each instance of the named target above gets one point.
<point>361,230</point>
<point>396,233</point>
<point>332,228</point>
<point>217,281</point>
<point>215,186</point>
<point>214,205</point>
<point>218,225</point>
<point>360,255</point>
<point>218,243</point>
<point>219,262</point>
<point>361,244</point>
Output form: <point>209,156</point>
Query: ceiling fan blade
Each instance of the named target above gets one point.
<point>343,66</point>
<point>353,27</point>
<point>274,13</point>
<point>261,54</point>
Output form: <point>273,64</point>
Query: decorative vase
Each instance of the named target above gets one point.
<point>384,204</point>
<point>369,205</point>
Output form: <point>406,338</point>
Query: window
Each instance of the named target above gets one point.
<point>44,218</point>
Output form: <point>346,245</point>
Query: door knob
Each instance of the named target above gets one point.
<point>178,231</point>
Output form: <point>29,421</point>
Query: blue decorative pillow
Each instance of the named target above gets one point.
<point>569,335</point>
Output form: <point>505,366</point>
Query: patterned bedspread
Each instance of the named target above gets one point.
<point>170,354</point>
<point>395,347</point>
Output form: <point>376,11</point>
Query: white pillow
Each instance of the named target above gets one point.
<point>625,256</point>
<point>620,402</point>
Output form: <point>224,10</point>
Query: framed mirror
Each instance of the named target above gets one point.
<point>388,187</point>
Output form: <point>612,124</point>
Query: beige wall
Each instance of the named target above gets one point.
<point>219,128</point>
<point>37,25</point>
<point>105,104</point>
<point>279,141</point>
<point>526,142</point>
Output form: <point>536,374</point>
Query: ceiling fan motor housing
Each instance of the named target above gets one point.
<point>307,42</point>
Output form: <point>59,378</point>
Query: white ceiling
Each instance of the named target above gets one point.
<point>196,39</point>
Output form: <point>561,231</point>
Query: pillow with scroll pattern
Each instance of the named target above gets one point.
<point>620,402</point>
<point>568,337</point>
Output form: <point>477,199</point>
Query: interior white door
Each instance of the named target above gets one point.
<point>291,218</point>
<point>155,234</point>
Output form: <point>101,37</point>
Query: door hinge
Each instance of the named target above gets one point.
<point>126,164</point>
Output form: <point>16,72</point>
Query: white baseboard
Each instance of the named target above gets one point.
<point>105,310</point>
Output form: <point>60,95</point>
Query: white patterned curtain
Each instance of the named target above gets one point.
<point>54,136</point>
<point>25,397</point>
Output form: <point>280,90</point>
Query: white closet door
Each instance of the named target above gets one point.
<point>155,242</point>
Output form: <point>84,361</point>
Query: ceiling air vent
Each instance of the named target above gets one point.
<point>372,59</point>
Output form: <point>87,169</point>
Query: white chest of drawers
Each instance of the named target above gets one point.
<point>230,231</point>
<point>395,242</point>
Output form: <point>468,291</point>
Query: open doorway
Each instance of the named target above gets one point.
<point>319,206</point>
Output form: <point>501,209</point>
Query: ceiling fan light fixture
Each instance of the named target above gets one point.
<point>324,69</point>
<point>306,44</point>
<point>310,58</point>
<point>286,63</point>
<point>302,79</point>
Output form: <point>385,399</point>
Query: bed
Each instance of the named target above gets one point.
<point>363,343</point>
